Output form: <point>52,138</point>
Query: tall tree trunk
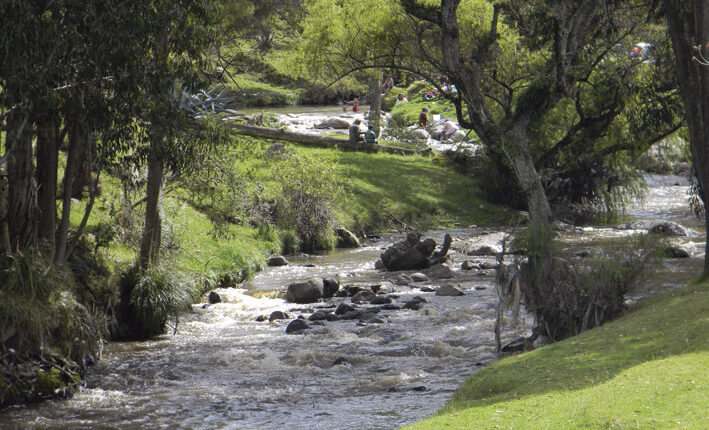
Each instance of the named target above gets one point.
<point>47,158</point>
<point>150,243</point>
<point>77,139</point>
<point>689,25</point>
<point>22,188</point>
<point>375,102</point>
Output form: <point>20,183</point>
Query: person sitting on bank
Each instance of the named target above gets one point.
<point>370,136</point>
<point>423,118</point>
<point>448,129</point>
<point>400,99</point>
<point>355,133</point>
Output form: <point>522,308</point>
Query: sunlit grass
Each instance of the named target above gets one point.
<point>645,370</point>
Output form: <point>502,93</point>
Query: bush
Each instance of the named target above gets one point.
<point>148,298</point>
<point>568,296</point>
<point>308,191</point>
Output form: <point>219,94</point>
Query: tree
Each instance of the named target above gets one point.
<point>688,23</point>
<point>541,83</point>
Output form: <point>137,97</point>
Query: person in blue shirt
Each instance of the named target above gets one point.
<point>370,136</point>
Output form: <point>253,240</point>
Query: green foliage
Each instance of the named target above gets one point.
<point>149,298</point>
<point>39,311</point>
<point>569,297</point>
<point>308,191</point>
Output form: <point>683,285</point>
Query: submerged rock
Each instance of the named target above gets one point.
<point>676,252</point>
<point>670,228</point>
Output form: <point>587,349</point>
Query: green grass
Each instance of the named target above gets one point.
<point>253,92</point>
<point>645,370</point>
<point>418,190</point>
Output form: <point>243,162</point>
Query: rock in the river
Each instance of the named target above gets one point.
<point>320,315</point>
<point>336,123</point>
<point>277,260</point>
<point>342,361</point>
<point>484,250</point>
<point>214,297</point>
<point>278,315</point>
<point>676,252</point>
<point>415,303</point>
<point>296,326</point>
<point>363,296</point>
<point>343,308</point>
<point>305,292</point>
<point>346,239</point>
<point>330,287</point>
<point>409,254</point>
<point>403,279</point>
<point>457,136</point>
<point>439,271</point>
<point>467,265</point>
<point>428,290</point>
<point>448,290</point>
<point>380,300</point>
<point>670,228</point>
<point>419,277</point>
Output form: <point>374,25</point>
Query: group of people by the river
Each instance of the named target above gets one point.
<point>370,136</point>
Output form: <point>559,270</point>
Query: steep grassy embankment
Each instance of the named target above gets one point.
<point>645,370</point>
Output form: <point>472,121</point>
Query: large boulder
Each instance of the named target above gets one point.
<point>296,326</point>
<point>448,290</point>
<point>670,228</point>
<point>409,254</point>
<point>277,260</point>
<point>346,239</point>
<point>306,291</point>
<point>457,136</point>
<point>336,123</point>
<point>436,130</point>
<point>330,287</point>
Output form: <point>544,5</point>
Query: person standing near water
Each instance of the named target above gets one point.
<point>423,118</point>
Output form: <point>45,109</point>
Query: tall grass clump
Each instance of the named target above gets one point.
<point>149,297</point>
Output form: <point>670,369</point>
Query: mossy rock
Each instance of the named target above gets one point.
<point>48,382</point>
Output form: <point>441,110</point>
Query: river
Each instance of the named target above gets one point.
<point>225,370</point>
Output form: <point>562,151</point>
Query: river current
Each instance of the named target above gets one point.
<point>224,370</point>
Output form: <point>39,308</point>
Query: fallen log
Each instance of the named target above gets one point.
<point>308,139</point>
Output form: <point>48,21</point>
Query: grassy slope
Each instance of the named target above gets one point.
<point>417,190</point>
<point>645,370</point>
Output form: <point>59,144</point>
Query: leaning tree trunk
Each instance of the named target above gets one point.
<point>689,25</point>
<point>22,188</point>
<point>77,139</point>
<point>150,242</point>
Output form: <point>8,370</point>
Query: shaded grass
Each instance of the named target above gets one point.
<point>644,370</point>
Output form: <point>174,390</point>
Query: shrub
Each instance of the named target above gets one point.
<point>568,296</point>
<point>148,298</point>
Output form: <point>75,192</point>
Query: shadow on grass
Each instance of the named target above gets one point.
<point>670,324</point>
<point>416,186</point>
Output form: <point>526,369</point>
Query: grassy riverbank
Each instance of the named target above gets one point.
<point>379,193</point>
<point>647,369</point>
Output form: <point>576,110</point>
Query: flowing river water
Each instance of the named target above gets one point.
<point>224,370</point>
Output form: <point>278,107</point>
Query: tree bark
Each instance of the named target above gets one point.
<point>689,25</point>
<point>150,243</point>
<point>375,103</point>
<point>47,159</point>
<point>22,188</point>
<point>77,138</point>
